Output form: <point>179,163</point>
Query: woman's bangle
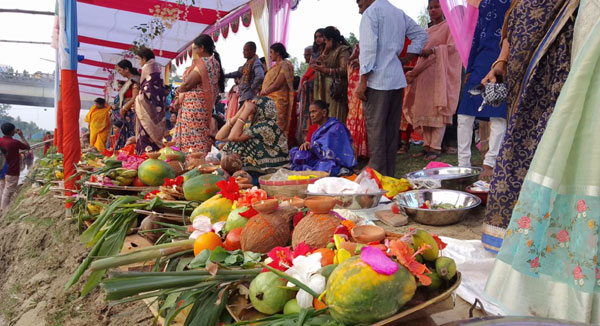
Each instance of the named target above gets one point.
<point>242,121</point>
<point>498,61</point>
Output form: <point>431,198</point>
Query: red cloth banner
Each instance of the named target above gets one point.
<point>58,137</point>
<point>71,105</point>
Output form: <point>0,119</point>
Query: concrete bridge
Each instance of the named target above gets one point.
<point>29,89</point>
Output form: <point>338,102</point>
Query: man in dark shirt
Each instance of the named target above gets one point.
<point>11,147</point>
<point>251,74</point>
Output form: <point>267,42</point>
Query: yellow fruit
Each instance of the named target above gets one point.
<point>421,238</point>
<point>209,240</point>
<point>445,267</point>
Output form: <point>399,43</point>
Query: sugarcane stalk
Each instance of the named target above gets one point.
<point>199,272</point>
<point>142,255</point>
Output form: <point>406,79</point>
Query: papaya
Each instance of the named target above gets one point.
<point>201,188</point>
<point>153,172</point>
<point>356,294</point>
<point>216,208</point>
<point>128,174</point>
<point>190,174</point>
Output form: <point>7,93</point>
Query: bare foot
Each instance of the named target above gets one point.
<point>487,174</point>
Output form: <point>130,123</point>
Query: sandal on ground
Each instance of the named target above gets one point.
<point>403,149</point>
<point>431,155</point>
<point>420,154</point>
<point>451,150</point>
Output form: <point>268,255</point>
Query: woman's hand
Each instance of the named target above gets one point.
<point>427,53</point>
<point>123,112</point>
<point>410,77</point>
<point>499,69</point>
<point>305,147</point>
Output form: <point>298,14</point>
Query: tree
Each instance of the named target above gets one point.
<point>423,18</point>
<point>28,128</point>
<point>352,40</point>
<point>299,67</point>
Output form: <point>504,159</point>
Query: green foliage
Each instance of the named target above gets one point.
<point>352,40</point>
<point>299,67</point>
<point>423,18</point>
<point>28,128</point>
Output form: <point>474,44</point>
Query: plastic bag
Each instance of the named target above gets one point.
<point>393,186</point>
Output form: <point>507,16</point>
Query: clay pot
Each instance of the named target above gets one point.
<point>320,204</point>
<point>172,157</point>
<point>197,156</point>
<point>266,206</point>
<point>153,155</point>
<point>177,166</point>
<point>169,143</point>
<point>367,233</point>
<point>297,202</point>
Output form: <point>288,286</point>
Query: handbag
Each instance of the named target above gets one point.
<point>338,91</point>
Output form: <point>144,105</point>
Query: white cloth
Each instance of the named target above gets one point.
<point>465,137</point>
<point>8,187</point>
<point>383,28</point>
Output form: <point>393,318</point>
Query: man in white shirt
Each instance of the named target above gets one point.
<point>383,29</point>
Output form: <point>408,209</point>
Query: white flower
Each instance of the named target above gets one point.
<point>217,227</point>
<point>305,270</point>
<point>201,225</point>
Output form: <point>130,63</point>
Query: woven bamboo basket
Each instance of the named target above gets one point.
<point>289,188</point>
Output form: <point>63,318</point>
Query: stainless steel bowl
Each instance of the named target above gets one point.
<point>410,201</point>
<point>354,202</point>
<point>455,178</point>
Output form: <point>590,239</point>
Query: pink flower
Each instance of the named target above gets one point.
<point>577,273</point>
<point>581,206</point>
<point>524,222</point>
<point>378,261</point>
<point>597,273</point>
<point>535,263</point>
<point>562,236</point>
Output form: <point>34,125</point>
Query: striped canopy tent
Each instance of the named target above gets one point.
<point>109,28</point>
<point>93,35</point>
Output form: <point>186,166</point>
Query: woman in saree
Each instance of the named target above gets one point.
<point>150,106</point>
<point>328,146</point>
<point>279,86</point>
<point>127,94</point>
<point>255,137</point>
<point>306,95</point>
<point>534,62</point>
<point>548,264</point>
<point>331,78</point>
<point>98,119</point>
<point>202,82</point>
<point>434,85</point>
<point>356,118</point>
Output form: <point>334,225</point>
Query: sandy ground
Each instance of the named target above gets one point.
<point>39,251</point>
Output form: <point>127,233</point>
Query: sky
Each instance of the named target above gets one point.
<point>308,17</point>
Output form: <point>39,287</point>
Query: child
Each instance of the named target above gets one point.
<point>10,146</point>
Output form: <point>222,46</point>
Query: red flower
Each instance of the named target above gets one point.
<point>151,194</point>
<point>297,218</point>
<point>524,222</point>
<point>577,273</point>
<point>405,255</point>
<point>283,256</point>
<point>250,213</point>
<point>395,209</point>
<point>229,189</point>
<point>174,182</point>
<point>441,244</point>
<point>535,262</point>
<point>562,236</point>
<point>107,153</point>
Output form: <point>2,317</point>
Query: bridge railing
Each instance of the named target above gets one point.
<point>24,76</point>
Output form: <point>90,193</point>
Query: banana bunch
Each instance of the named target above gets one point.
<point>442,269</point>
<point>122,176</point>
<point>94,209</point>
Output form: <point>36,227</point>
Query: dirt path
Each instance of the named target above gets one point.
<point>39,250</point>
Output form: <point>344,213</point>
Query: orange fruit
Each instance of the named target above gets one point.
<point>319,304</point>
<point>209,240</point>
<point>327,256</point>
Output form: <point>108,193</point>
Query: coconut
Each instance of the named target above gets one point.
<point>264,232</point>
<point>315,230</point>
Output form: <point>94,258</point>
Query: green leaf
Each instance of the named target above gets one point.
<point>233,260</point>
<point>200,260</point>
<point>219,255</point>
<point>251,259</point>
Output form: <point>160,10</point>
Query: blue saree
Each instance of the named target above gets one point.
<point>331,150</point>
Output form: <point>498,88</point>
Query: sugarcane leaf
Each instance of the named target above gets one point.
<point>218,255</point>
<point>156,202</point>
<point>89,234</point>
<point>292,280</point>
<point>200,260</point>
<point>111,246</point>
<point>84,264</point>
